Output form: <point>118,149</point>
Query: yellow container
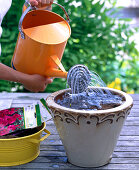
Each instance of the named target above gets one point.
<point>17,151</point>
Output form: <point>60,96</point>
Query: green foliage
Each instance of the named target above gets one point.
<point>98,41</point>
<point>101,43</point>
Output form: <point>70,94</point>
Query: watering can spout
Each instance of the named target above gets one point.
<point>56,73</point>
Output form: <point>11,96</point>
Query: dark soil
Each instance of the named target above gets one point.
<point>90,100</point>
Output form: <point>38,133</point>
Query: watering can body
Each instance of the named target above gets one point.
<point>41,43</point>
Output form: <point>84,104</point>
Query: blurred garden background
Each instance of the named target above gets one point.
<point>104,38</point>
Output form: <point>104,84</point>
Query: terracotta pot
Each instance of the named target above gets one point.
<point>89,137</point>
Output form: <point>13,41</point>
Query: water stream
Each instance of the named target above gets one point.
<point>83,96</point>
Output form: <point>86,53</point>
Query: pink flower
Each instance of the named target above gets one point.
<point>1,121</point>
<point>8,118</point>
<point>11,120</point>
<point>12,127</point>
<point>2,114</point>
<point>17,116</point>
<point>4,132</point>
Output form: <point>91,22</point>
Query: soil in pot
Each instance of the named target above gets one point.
<point>90,100</point>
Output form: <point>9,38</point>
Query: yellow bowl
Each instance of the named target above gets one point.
<point>17,151</point>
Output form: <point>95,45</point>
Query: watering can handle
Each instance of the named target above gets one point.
<point>67,16</point>
<point>21,20</point>
<point>29,7</point>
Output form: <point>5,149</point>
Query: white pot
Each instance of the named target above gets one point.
<point>89,137</point>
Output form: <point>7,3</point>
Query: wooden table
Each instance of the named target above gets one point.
<point>53,156</point>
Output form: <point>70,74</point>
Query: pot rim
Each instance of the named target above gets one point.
<point>127,103</point>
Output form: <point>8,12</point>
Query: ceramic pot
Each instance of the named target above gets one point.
<point>89,137</point>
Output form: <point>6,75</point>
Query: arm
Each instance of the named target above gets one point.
<point>34,83</point>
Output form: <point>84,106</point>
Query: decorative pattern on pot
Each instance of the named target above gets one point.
<point>70,117</point>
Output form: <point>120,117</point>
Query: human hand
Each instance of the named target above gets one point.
<point>41,3</point>
<point>36,83</point>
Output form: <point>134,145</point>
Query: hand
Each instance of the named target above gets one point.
<point>36,83</point>
<point>41,3</point>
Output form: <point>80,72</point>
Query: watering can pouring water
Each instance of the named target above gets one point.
<point>41,42</point>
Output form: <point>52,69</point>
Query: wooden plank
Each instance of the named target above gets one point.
<point>135,114</point>
<point>126,154</point>
<point>51,161</point>
<point>61,148</point>
<point>135,102</point>
<point>23,101</point>
<point>130,128</point>
<point>33,165</point>
<point>126,130</point>
<point>63,159</point>
<point>52,147</point>
<point>23,95</point>
<point>131,123</point>
<point>126,148</point>
<point>128,143</point>
<point>116,154</point>
<point>128,138</point>
<point>136,106</point>
<point>129,119</point>
<point>121,138</point>
<point>119,142</point>
<point>64,166</point>
<point>134,111</point>
<point>135,97</point>
<point>52,153</point>
<point>21,105</point>
<point>125,160</point>
<point>123,132</point>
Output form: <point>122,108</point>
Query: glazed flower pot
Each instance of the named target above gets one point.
<point>89,137</point>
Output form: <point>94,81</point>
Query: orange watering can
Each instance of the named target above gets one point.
<point>41,42</point>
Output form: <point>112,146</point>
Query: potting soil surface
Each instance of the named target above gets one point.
<point>94,99</point>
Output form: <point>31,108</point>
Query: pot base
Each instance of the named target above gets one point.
<point>91,166</point>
